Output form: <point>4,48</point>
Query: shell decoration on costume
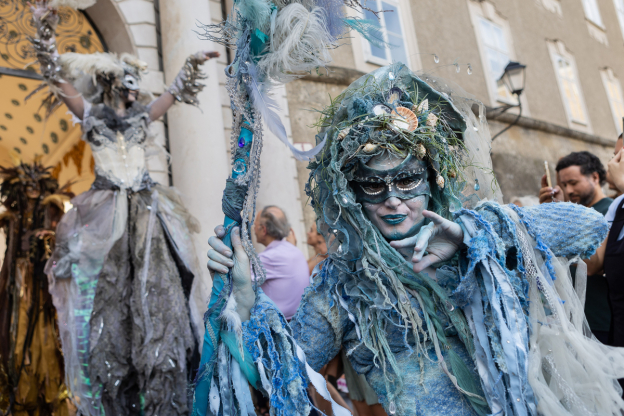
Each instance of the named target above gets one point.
<point>420,151</point>
<point>405,119</point>
<point>343,133</point>
<point>370,147</point>
<point>423,107</point>
<point>440,181</point>
<point>382,110</point>
<point>432,120</point>
<point>395,95</point>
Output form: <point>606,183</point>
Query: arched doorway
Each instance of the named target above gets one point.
<point>25,132</point>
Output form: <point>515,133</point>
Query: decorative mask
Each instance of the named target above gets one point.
<point>130,82</point>
<point>405,181</point>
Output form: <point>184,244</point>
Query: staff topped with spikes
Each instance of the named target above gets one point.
<point>275,42</point>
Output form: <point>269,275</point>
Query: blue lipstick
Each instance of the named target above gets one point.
<point>394,219</point>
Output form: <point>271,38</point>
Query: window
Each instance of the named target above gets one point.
<point>614,94</point>
<point>592,12</point>
<point>567,77</point>
<point>390,31</point>
<point>619,9</point>
<point>495,43</point>
<point>497,53</point>
<point>570,89</point>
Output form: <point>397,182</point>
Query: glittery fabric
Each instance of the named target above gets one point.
<point>133,343</point>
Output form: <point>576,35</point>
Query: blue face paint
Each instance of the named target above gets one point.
<point>415,229</point>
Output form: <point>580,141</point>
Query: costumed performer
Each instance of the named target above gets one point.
<point>32,378</point>
<point>124,266</point>
<point>447,303</point>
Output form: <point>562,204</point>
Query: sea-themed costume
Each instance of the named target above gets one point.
<point>32,378</point>
<point>124,269</point>
<point>499,329</point>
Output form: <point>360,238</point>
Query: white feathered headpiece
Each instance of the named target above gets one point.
<point>75,65</point>
<point>98,75</point>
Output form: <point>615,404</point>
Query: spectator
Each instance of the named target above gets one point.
<point>613,256</point>
<point>286,268</point>
<point>612,186</point>
<point>610,255</point>
<point>581,175</point>
<point>316,240</point>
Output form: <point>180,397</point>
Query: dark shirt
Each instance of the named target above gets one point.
<point>603,205</point>
<point>597,309</point>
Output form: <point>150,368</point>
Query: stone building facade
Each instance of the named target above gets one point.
<point>573,50</point>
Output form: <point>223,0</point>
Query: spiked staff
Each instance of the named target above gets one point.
<point>272,43</point>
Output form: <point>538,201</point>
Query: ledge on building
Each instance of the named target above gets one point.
<point>546,127</point>
<point>334,75</point>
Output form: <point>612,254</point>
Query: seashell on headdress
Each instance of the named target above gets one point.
<point>405,119</point>
<point>432,120</point>
<point>423,107</point>
<point>343,133</point>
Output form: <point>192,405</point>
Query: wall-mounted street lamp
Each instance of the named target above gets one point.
<point>514,79</point>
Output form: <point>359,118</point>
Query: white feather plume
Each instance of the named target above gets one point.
<point>264,103</point>
<point>74,4</point>
<point>301,43</point>
<point>75,65</point>
<point>233,322</point>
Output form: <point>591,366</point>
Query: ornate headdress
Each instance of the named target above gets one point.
<point>17,179</point>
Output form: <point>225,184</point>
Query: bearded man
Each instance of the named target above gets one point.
<point>580,177</point>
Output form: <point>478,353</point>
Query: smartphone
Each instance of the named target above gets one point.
<point>548,180</point>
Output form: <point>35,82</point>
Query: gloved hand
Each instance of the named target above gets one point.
<point>441,239</point>
<point>221,259</point>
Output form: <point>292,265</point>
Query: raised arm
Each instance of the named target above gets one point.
<point>569,230</point>
<point>46,20</point>
<point>185,87</point>
<point>595,263</point>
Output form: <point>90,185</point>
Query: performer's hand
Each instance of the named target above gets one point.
<point>206,55</point>
<point>548,194</point>
<point>440,239</point>
<point>221,261</point>
<point>40,8</point>
<point>615,170</point>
